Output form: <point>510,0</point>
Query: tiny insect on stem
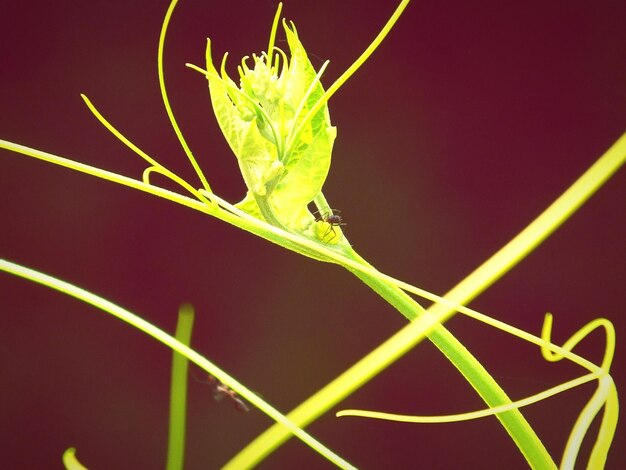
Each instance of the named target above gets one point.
<point>221,391</point>
<point>333,219</point>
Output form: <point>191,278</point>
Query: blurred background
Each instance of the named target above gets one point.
<point>463,126</point>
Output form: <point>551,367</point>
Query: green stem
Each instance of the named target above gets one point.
<point>513,421</point>
<point>385,355</point>
<point>178,392</point>
<point>171,342</point>
<point>485,275</point>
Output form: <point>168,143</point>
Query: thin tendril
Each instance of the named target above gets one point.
<point>270,45</point>
<point>166,102</point>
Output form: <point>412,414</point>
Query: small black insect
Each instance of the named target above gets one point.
<point>333,219</point>
<point>221,391</point>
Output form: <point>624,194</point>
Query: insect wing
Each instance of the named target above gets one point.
<point>240,405</point>
<point>218,395</point>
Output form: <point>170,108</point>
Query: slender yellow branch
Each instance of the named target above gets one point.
<point>171,342</point>
<point>403,418</point>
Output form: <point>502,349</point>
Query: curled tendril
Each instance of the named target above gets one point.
<point>70,462</point>
<point>605,395</point>
<point>577,337</point>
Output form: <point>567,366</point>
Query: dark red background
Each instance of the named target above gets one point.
<point>463,126</point>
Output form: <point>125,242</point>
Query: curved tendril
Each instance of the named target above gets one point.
<point>243,68</point>
<point>117,133</point>
<point>577,337</point>
<point>583,423</point>
<point>270,45</point>
<point>357,63</point>
<point>281,53</point>
<point>166,103</point>
<point>473,414</point>
<point>608,426</point>
<point>605,395</point>
<point>71,461</point>
<point>145,177</point>
<point>154,165</point>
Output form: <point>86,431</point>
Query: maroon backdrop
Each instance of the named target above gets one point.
<point>463,126</point>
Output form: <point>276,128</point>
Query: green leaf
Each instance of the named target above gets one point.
<point>283,150</point>
<point>235,116</point>
<point>309,144</point>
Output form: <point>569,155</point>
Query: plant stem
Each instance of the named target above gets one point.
<point>513,421</point>
<point>379,359</point>
<point>485,275</point>
<point>171,342</point>
<point>178,392</point>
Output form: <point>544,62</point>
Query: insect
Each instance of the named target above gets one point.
<point>333,219</point>
<point>220,391</point>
